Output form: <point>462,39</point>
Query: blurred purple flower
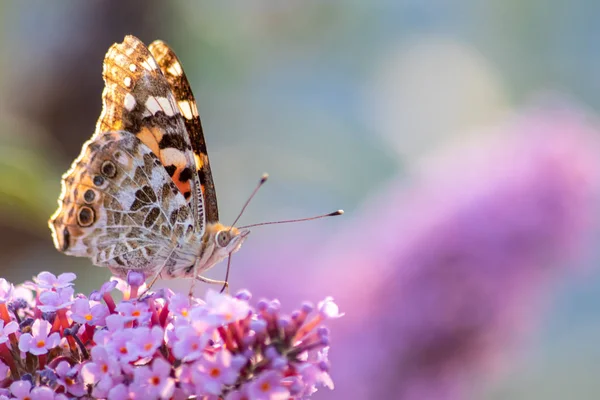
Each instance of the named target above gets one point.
<point>443,276</point>
<point>449,274</point>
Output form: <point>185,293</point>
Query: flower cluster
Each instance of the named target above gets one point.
<point>55,344</point>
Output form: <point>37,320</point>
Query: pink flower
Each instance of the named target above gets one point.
<point>82,313</point>
<point>268,387</point>
<point>134,311</point>
<point>225,309</point>
<point>47,280</point>
<point>6,291</point>
<point>11,327</point>
<point>156,379</point>
<point>180,305</point>
<point>215,371</point>
<point>124,392</point>
<point>69,378</point>
<point>38,342</point>
<point>102,368</point>
<point>190,344</point>
<point>45,393</point>
<point>4,369</point>
<point>145,341</point>
<point>20,390</point>
<point>53,301</point>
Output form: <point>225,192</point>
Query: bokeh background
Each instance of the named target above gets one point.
<point>369,107</point>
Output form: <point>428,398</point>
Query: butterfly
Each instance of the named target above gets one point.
<point>140,196</point>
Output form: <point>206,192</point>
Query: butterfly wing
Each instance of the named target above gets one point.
<point>121,208</point>
<point>137,98</point>
<point>173,71</point>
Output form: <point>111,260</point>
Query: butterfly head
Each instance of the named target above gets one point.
<point>223,240</point>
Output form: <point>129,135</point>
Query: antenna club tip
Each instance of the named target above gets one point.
<point>264,178</point>
<point>338,212</point>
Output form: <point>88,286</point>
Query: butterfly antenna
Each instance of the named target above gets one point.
<point>263,179</point>
<point>332,214</point>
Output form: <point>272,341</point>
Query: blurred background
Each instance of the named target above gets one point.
<point>364,106</point>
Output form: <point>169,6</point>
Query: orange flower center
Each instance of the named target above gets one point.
<point>147,346</point>
<point>88,317</point>
<point>215,373</point>
<point>136,313</point>
<point>155,380</point>
<point>265,386</point>
<point>41,343</point>
<point>104,368</point>
<point>123,350</point>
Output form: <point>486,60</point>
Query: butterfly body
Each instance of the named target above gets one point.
<point>140,196</point>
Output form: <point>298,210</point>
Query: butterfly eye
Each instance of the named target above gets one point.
<point>223,238</point>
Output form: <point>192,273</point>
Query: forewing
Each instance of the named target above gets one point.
<point>173,71</point>
<point>119,207</point>
<point>137,98</point>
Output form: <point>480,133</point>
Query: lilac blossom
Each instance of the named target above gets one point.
<point>39,341</point>
<point>51,301</point>
<point>47,280</point>
<point>11,327</point>
<point>157,346</point>
<point>82,313</point>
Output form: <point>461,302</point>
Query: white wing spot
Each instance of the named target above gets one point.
<point>175,69</point>
<point>129,101</point>
<point>185,108</point>
<point>152,105</point>
<point>132,67</point>
<point>146,65</point>
<point>127,81</point>
<point>194,108</point>
<point>166,105</point>
<point>152,63</point>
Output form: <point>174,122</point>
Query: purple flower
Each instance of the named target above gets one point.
<point>45,393</point>
<point>225,309</point>
<point>21,390</point>
<point>38,342</point>
<point>130,353</point>
<point>268,387</point>
<point>47,280</point>
<point>135,311</point>
<point>11,327</point>
<point>124,392</point>
<point>101,370</point>
<point>145,341</point>
<point>106,288</point>
<point>215,371</point>
<point>180,305</point>
<point>4,369</point>
<point>156,379</point>
<point>447,273</point>
<point>69,378</point>
<point>190,344</point>
<point>82,313</point>
<point>6,291</point>
<point>54,301</point>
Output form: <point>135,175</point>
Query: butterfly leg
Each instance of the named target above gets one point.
<point>214,282</point>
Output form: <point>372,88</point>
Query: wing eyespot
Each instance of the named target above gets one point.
<point>98,180</point>
<point>85,216</point>
<point>89,196</point>
<point>108,169</point>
